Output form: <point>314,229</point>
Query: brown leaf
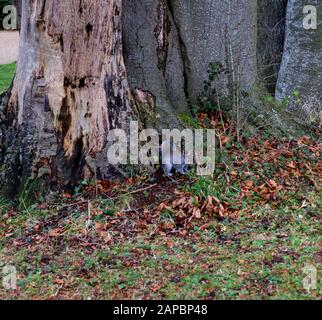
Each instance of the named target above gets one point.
<point>249,183</point>
<point>162,207</point>
<point>59,281</point>
<point>156,287</point>
<point>99,227</point>
<point>272,183</point>
<point>167,266</point>
<point>197,213</point>
<point>170,244</point>
<point>291,165</point>
<point>55,233</point>
<point>106,236</point>
<point>234,173</point>
<point>183,233</point>
<point>224,140</point>
<point>67,195</point>
<point>216,199</point>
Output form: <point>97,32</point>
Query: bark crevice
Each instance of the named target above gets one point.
<point>183,53</point>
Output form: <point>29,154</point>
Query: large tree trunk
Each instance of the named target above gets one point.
<point>213,31</point>
<point>153,57</point>
<point>70,90</point>
<point>168,46</point>
<point>300,79</point>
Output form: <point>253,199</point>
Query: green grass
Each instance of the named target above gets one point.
<point>6,75</point>
<point>255,258</point>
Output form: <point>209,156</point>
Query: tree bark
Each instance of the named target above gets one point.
<point>270,45</point>
<point>153,57</point>
<point>300,78</point>
<point>69,91</point>
<point>214,31</point>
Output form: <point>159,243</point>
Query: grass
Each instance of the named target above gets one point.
<point>144,246</point>
<point>258,258</point>
<point>6,75</point>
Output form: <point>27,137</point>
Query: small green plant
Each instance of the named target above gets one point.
<point>270,100</point>
<point>297,96</point>
<point>209,97</point>
<point>204,187</point>
<point>86,182</point>
<point>167,216</point>
<point>284,103</point>
<point>107,206</point>
<point>279,105</point>
<point>190,121</point>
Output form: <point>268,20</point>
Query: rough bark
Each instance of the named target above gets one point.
<point>301,69</point>
<point>153,57</point>
<point>70,90</point>
<point>187,35</point>
<point>270,44</point>
<point>213,31</point>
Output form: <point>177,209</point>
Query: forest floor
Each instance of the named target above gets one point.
<point>247,233</point>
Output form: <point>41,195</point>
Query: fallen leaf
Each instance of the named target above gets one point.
<point>55,233</point>
<point>249,183</point>
<point>197,213</point>
<point>106,236</point>
<point>59,281</point>
<point>273,184</point>
<point>291,165</point>
<point>224,140</point>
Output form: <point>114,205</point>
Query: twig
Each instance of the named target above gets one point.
<point>137,191</point>
<point>73,204</point>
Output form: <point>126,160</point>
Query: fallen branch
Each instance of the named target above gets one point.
<point>137,191</point>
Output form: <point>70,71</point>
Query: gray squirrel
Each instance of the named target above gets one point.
<point>172,159</point>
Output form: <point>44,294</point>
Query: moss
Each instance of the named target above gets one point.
<point>190,121</point>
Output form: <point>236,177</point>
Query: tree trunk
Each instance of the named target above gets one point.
<point>300,78</point>
<point>214,31</point>
<point>71,85</point>
<point>69,91</point>
<point>153,57</point>
<point>271,34</point>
